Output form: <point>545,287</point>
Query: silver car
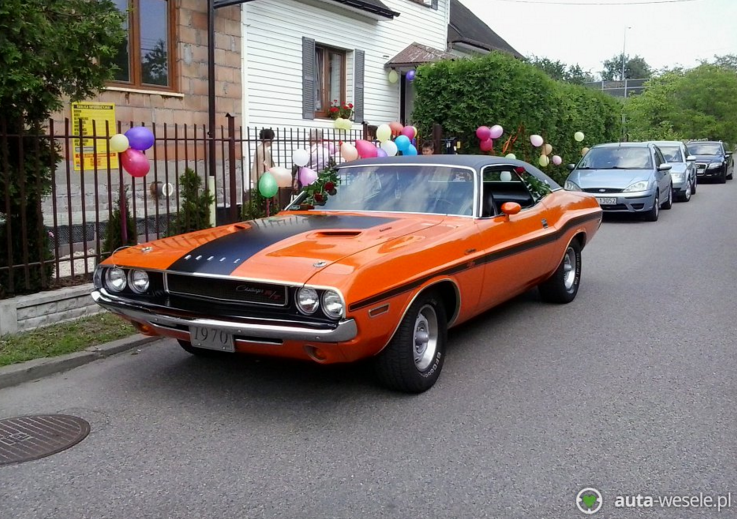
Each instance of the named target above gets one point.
<point>626,177</point>
<point>683,172</point>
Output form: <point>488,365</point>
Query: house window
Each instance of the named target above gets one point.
<point>330,72</point>
<point>146,56</point>
<point>427,3</point>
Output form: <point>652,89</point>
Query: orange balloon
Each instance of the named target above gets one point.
<point>396,128</point>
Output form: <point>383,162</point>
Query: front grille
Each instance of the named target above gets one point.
<point>230,290</point>
<point>616,207</point>
<point>602,190</point>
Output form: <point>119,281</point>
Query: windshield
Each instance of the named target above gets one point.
<point>704,148</point>
<point>617,158</point>
<point>672,154</point>
<point>405,189</point>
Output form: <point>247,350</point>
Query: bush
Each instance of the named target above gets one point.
<point>499,89</point>
<point>194,212</point>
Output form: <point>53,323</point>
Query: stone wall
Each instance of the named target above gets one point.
<point>24,313</point>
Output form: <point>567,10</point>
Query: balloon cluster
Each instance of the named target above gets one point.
<point>487,135</point>
<point>579,137</point>
<point>342,124</point>
<point>131,146</point>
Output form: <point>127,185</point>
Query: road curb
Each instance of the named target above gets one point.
<point>38,368</point>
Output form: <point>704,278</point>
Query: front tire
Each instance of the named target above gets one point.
<point>413,359</point>
<point>722,178</point>
<point>686,197</point>
<point>562,286</point>
<point>669,203</point>
<point>653,214</point>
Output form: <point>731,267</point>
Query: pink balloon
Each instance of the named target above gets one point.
<point>331,148</point>
<point>487,145</point>
<point>381,153</point>
<point>536,140</point>
<point>409,132</point>
<point>135,162</point>
<point>307,176</point>
<point>366,150</point>
<point>496,131</point>
<point>557,160</point>
<point>483,133</point>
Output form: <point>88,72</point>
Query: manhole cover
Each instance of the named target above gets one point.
<point>29,438</point>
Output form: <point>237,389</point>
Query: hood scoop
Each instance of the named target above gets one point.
<point>337,234</point>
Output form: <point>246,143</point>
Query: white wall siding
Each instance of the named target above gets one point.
<point>272,40</point>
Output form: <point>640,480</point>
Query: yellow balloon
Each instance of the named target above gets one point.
<point>579,136</point>
<point>547,149</point>
<point>384,133</point>
<point>584,151</point>
<point>119,143</point>
<point>543,161</point>
<point>393,76</point>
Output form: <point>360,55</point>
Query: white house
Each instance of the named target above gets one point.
<point>301,55</point>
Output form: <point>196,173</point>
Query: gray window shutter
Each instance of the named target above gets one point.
<point>358,88</point>
<point>308,78</point>
<point>435,4</point>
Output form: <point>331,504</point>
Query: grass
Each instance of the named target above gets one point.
<point>62,338</point>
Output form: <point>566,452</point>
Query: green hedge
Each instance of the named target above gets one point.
<point>464,94</point>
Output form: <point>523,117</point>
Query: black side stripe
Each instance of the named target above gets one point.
<point>477,262</point>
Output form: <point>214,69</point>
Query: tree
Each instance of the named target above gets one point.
<point>194,213</point>
<point>560,71</point>
<point>156,65</point>
<point>634,68</point>
<point>49,50</point>
<point>697,103</point>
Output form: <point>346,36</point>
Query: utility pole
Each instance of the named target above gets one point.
<point>624,58</point>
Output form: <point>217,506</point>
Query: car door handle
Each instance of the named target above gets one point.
<point>469,251</point>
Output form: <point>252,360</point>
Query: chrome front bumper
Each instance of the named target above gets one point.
<point>344,330</point>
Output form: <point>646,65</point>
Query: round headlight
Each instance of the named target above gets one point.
<point>115,279</point>
<point>332,304</point>
<point>308,301</point>
<point>138,281</point>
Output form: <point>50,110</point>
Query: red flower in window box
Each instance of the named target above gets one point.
<point>337,109</point>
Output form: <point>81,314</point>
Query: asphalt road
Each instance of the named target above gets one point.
<point>630,389</point>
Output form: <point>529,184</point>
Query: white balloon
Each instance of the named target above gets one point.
<point>301,157</point>
<point>511,156</point>
<point>390,148</point>
<point>505,176</point>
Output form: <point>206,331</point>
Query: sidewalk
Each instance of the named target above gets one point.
<point>34,369</point>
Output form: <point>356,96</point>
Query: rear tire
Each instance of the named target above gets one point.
<point>198,352</point>
<point>562,286</point>
<point>653,214</point>
<point>413,359</point>
<point>693,186</point>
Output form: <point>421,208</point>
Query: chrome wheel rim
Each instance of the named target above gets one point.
<point>425,337</point>
<point>688,192</point>
<point>657,206</point>
<point>569,268</point>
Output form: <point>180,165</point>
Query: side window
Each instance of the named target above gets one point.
<point>507,183</point>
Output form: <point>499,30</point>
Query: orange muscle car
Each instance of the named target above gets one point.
<point>406,248</point>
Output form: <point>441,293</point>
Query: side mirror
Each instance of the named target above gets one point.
<point>665,167</point>
<point>728,154</point>
<point>571,167</point>
<point>690,158</point>
<point>510,208</point>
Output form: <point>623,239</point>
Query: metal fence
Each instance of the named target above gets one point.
<point>626,88</point>
<point>69,220</point>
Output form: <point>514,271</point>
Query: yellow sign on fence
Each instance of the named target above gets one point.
<point>84,114</point>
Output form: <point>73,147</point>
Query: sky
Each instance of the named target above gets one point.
<point>679,32</point>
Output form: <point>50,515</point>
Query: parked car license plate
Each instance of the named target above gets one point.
<point>606,201</point>
<point>211,339</point>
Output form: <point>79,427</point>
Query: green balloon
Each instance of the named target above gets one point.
<point>267,185</point>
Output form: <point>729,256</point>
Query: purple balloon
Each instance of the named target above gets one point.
<point>381,153</point>
<point>140,138</point>
<point>411,75</point>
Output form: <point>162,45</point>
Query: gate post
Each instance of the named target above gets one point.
<point>233,213</point>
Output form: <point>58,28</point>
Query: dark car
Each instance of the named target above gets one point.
<point>712,160</point>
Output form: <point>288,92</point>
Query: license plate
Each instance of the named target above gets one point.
<point>211,339</point>
<point>606,201</point>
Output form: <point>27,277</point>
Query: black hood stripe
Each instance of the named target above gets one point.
<point>225,254</point>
